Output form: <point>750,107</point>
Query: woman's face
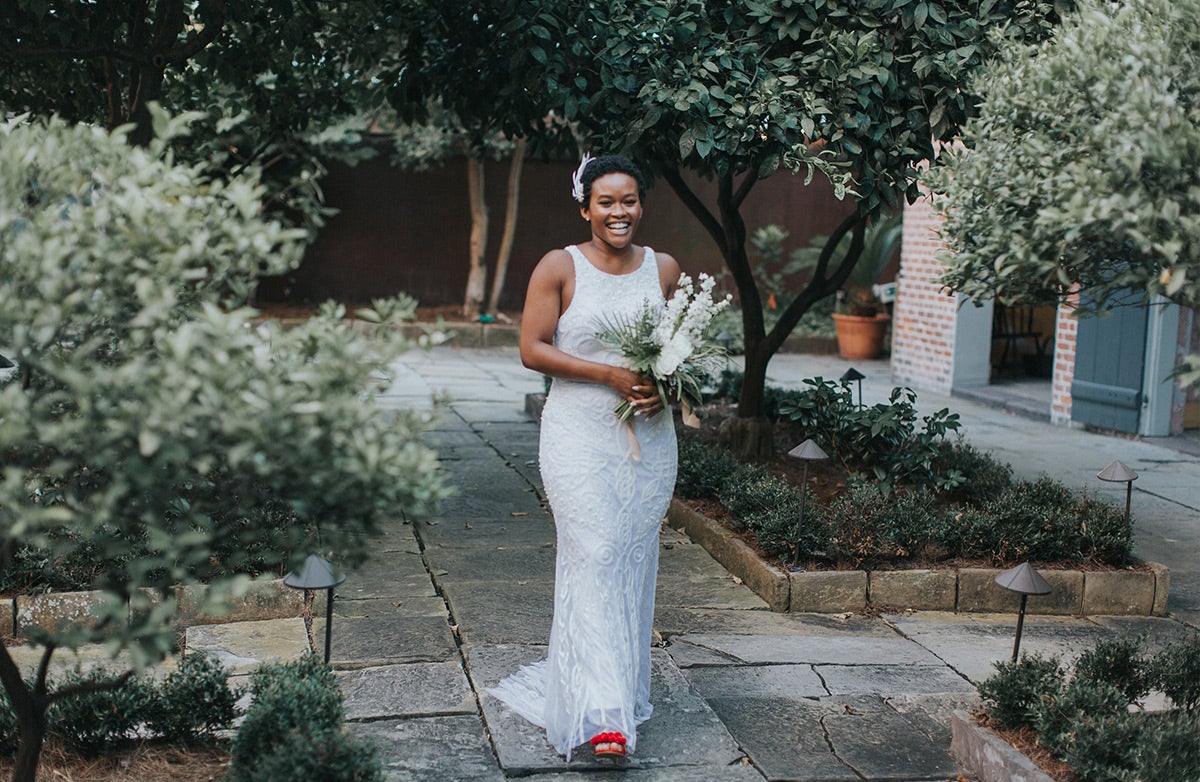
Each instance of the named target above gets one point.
<point>614,209</point>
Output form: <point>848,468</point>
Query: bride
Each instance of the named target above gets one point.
<point>608,495</point>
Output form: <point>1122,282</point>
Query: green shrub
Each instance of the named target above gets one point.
<point>8,726</point>
<point>867,526</point>
<point>703,468</point>
<point>193,701</point>
<point>1119,662</point>
<point>1014,692</point>
<point>1060,717</point>
<point>1175,670</point>
<point>93,720</point>
<point>1169,747</point>
<point>1040,520</point>
<point>294,703</point>
<point>882,442</point>
<point>329,755</point>
<point>983,477</point>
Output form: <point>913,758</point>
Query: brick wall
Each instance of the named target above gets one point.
<point>924,314</point>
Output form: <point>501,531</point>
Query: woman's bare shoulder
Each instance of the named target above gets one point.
<point>556,263</point>
<point>668,268</point>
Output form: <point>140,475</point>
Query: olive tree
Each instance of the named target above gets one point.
<point>152,422</point>
<point>737,91</point>
<point>1081,172</point>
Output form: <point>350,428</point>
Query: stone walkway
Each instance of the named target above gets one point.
<point>448,606</point>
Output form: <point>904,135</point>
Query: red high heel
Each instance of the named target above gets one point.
<point>609,744</point>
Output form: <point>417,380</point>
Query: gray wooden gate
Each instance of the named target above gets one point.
<point>1110,358</point>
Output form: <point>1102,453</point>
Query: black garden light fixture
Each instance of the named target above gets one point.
<point>806,451</point>
<point>318,573</point>
<point>1117,472</point>
<point>724,339</point>
<point>852,375</point>
<point>1025,581</point>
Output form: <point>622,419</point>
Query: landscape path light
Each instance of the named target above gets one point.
<point>1025,581</point>
<point>1117,472</point>
<point>318,573</point>
<point>806,452</point>
<point>850,375</point>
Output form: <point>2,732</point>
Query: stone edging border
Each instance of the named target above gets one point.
<point>263,600</point>
<point>986,756</point>
<point>1076,592</point>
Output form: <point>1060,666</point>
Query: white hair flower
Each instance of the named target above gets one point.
<point>577,178</point>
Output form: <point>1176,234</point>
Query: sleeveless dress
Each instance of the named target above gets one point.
<point>608,508</point>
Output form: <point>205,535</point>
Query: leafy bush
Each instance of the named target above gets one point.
<point>329,754</point>
<point>193,701</point>
<point>882,442</point>
<point>867,526</point>
<point>1175,670</point>
<point>1038,520</point>
<point>984,477</point>
<point>1118,662</point>
<point>1014,693</point>
<point>769,507</point>
<point>296,704</point>
<point>703,469</point>
<point>1169,747</point>
<point>1072,718</point>
<point>92,720</point>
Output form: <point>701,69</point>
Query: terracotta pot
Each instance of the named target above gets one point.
<point>860,337</point>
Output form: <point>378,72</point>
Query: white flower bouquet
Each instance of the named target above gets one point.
<point>669,345</point>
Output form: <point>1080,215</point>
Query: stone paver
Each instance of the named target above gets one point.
<point>414,690</point>
<point>243,646</point>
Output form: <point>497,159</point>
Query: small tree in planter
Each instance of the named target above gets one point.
<point>150,415</point>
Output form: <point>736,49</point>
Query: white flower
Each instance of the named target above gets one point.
<point>674,352</point>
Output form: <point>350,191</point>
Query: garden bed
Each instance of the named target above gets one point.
<point>902,515</point>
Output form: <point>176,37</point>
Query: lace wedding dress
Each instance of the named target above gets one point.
<point>608,507</point>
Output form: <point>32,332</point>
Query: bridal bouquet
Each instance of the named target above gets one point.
<point>668,344</point>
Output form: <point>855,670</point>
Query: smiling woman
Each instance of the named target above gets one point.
<point>608,496</point>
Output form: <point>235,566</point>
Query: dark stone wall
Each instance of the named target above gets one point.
<point>399,231</point>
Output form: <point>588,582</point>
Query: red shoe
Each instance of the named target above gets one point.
<point>610,744</point>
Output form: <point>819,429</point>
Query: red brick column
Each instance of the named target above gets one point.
<point>924,313</point>
<point>1065,330</point>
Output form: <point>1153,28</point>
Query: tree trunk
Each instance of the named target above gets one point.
<point>477,273</point>
<point>510,226</point>
<point>29,706</point>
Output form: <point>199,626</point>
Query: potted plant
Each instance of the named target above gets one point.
<point>859,315</point>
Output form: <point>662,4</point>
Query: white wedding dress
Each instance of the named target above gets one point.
<point>608,508</point>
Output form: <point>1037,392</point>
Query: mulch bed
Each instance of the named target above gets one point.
<point>141,763</point>
<point>1024,740</point>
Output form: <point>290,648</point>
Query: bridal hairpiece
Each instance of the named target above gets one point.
<point>577,178</point>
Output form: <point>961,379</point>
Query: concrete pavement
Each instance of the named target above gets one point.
<point>448,606</point>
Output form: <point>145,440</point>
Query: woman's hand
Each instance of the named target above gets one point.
<point>636,389</point>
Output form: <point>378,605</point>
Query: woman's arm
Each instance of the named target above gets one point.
<point>552,281</point>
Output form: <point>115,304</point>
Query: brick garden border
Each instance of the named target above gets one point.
<point>1076,592</point>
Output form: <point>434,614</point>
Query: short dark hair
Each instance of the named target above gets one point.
<point>610,164</point>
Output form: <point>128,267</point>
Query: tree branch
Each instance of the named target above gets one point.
<point>695,206</point>
<point>39,684</point>
<point>79,688</point>
<point>744,188</point>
